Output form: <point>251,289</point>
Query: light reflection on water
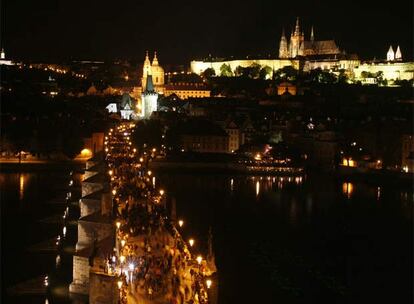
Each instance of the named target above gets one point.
<point>21,186</point>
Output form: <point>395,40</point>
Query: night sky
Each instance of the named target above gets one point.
<point>50,30</point>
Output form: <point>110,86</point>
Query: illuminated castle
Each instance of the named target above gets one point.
<point>298,46</point>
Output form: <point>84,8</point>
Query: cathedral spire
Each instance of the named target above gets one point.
<point>312,37</point>
<point>155,59</point>
<point>398,55</point>
<point>147,60</point>
<point>297,27</point>
<point>283,47</point>
<point>390,54</point>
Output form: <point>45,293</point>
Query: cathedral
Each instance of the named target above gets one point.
<point>156,71</point>
<point>297,46</point>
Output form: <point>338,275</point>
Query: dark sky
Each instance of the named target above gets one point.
<point>182,30</point>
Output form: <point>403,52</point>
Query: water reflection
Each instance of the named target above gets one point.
<point>257,188</point>
<point>293,213</point>
<point>21,186</point>
<point>347,189</point>
<point>309,205</point>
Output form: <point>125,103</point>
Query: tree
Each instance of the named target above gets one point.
<point>379,78</point>
<point>265,72</point>
<point>342,77</point>
<point>254,70</point>
<point>208,73</point>
<point>239,71</point>
<point>225,70</point>
<point>327,77</point>
<point>287,73</point>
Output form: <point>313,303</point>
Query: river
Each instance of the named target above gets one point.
<point>276,239</point>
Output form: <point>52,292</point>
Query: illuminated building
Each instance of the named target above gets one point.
<point>149,99</point>
<point>186,90</point>
<point>236,137</point>
<point>312,54</point>
<point>204,136</point>
<point>156,71</point>
<point>3,59</point>
<point>298,46</point>
<point>393,68</point>
<point>286,87</point>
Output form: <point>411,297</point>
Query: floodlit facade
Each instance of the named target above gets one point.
<point>314,54</point>
<point>149,99</point>
<point>156,71</point>
<point>187,90</point>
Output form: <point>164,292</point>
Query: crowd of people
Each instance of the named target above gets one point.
<point>153,263</point>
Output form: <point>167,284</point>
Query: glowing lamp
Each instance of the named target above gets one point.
<point>209,283</point>
<point>191,242</point>
<point>86,152</point>
<point>199,259</point>
<point>119,284</point>
<point>180,223</point>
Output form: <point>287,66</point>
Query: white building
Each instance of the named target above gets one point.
<point>149,99</point>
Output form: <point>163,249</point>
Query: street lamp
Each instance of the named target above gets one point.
<point>209,283</point>
<point>119,284</point>
<point>123,243</point>
<point>180,223</point>
<point>118,224</point>
<point>162,192</point>
<point>199,259</point>
<point>191,242</point>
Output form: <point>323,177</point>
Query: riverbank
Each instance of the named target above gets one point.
<point>222,167</point>
<point>12,165</point>
<point>375,175</point>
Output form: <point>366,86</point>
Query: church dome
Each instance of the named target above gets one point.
<point>157,71</point>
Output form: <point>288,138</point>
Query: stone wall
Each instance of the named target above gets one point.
<point>89,206</point>
<point>88,188</point>
<point>103,289</point>
<point>80,283</point>
<point>88,231</point>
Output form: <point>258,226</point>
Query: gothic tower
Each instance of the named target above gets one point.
<point>149,99</point>
<point>398,55</point>
<point>295,40</point>
<point>390,54</point>
<point>157,73</point>
<point>283,46</point>
<point>146,70</point>
<point>312,36</point>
